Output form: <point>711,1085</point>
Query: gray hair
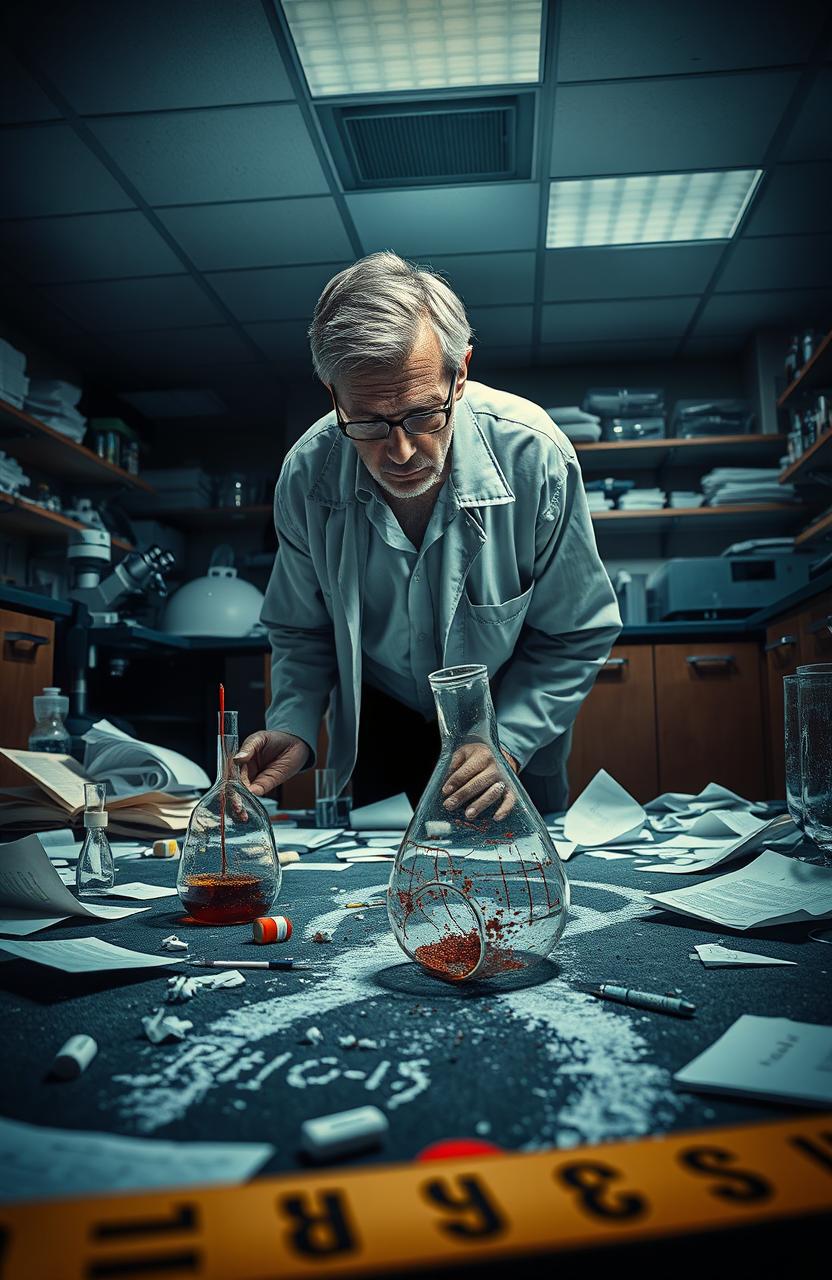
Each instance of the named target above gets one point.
<point>371,313</point>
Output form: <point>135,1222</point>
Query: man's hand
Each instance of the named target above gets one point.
<point>474,781</point>
<point>268,758</point>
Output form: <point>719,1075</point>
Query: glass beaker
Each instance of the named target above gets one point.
<point>50,733</point>
<point>475,897</point>
<point>96,870</point>
<point>791,742</point>
<point>815,709</point>
<point>229,872</point>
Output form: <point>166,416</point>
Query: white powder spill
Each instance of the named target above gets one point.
<point>602,1083</point>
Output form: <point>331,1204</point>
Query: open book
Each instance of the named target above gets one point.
<point>51,794</point>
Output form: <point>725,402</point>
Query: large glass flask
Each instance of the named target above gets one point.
<point>815,712</point>
<point>482,896</point>
<point>228,872</point>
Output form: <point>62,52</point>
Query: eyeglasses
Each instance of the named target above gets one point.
<point>425,422</point>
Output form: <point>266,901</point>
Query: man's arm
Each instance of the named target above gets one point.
<point>572,622</point>
<point>300,632</point>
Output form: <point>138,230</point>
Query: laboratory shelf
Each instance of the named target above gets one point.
<point>817,457</point>
<point>19,516</point>
<point>34,602</point>
<point>701,451</point>
<point>35,444</point>
<point>197,518</point>
<point>815,373</point>
<point>820,528</point>
<point>745,517</point>
<point>126,636</point>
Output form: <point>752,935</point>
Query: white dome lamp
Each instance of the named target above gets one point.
<point>220,604</point>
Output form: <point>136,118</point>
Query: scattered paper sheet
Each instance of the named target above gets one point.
<point>395,812</point>
<point>84,955</point>
<point>772,890</point>
<point>60,843</point>
<point>305,837</point>
<point>608,854</point>
<point>140,892</point>
<point>317,866</point>
<point>780,830</point>
<point>19,924</point>
<point>29,881</point>
<point>394,836</point>
<point>130,765</point>
<point>773,1058</point>
<point>713,796</point>
<point>715,956</point>
<point>38,1163</point>
<point>604,812</point>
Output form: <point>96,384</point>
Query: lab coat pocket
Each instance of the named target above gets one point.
<point>491,630</point>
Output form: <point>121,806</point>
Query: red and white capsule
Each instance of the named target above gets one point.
<point>272,929</point>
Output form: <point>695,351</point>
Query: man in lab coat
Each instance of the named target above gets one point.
<point>425,521</point>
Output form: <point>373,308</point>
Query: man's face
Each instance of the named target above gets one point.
<point>405,466</point>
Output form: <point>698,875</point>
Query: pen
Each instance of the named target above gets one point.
<point>646,1000</point>
<point>249,964</point>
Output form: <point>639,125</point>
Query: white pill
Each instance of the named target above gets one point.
<point>343,1133</point>
<point>74,1058</point>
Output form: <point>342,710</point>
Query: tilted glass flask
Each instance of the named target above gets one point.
<point>96,870</point>
<point>229,871</point>
<point>475,897</point>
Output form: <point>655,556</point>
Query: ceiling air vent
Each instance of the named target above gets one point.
<point>422,143</point>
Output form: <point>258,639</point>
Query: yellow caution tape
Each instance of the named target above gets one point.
<point>389,1218</point>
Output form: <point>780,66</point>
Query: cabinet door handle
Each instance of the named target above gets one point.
<point>825,624</point>
<point>782,643</point>
<point>15,638</point>
<point>721,659</point>
<point>617,663</point>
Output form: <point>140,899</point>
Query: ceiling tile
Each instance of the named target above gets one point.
<point>502,326</point>
<point>628,272</point>
<point>745,312</point>
<point>20,98</point>
<point>235,153</point>
<point>123,305</point>
<point>53,173</point>
<point>778,262</point>
<point>274,293</point>
<point>700,122</point>
<point>596,321</point>
<point>259,233</point>
<point>144,55</point>
<point>797,197</point>
<point>285,342</point>
<point>603,41</point>
<point>483,278</point>
<point>619,352</point>
<point>96,246</point>
<point>440,220</point>
<point>210,347</point>
<point>811,135</point>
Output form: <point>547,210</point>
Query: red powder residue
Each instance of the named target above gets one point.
<point>321,937</point>
<point>405,897</point>
<point>457,955</point>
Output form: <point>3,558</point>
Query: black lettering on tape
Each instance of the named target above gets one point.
<point>320,1230</point>
<point>172,1260</point>
<point>815,1151</point>
<point>477,1216</point>
<point>738,1185</point>
<point>592,1179</point>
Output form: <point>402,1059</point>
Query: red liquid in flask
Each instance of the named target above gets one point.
<point>225,899</point>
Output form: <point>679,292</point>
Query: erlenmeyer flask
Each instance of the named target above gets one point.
<point>228,872</point>
<point>475,897</point>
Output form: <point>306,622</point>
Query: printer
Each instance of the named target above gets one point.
<point>727,586</point>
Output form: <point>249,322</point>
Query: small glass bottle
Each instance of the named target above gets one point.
<point>480,897</point>
<point>229,872</point>
<point>49,733</point>
<point>96,868</point>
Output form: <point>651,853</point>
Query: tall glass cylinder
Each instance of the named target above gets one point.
<point>475,896</point>
<point>229,871</point>
<point>791,744</point>
<point>815,709</point>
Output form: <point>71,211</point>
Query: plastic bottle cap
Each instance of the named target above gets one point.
<point>272,929</point>
<point>74,1057</point>
<point>51,691</point>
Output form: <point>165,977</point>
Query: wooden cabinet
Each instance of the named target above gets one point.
<point>816,630</point>
<point>616,726</point>
<point>782,652</point>
<point>27,647</point>
<point>709,717</point>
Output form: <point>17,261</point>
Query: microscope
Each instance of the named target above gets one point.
<point>95,598</point>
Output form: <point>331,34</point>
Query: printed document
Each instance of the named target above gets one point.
<point>772,890</point>
<point>773,1058</point>
<point>29,882</point>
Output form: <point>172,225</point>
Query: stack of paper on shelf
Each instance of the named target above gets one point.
<point>51,795</point>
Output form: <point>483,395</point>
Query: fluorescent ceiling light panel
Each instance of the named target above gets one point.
<point>385,46</point>
<point>650,208</point>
